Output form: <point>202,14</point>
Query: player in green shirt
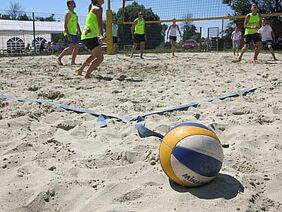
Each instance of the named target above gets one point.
<point>138,34</point>
<point>71,33</point>
<point>252,25</point>
<point>92,37</point>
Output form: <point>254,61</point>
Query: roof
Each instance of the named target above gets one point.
<point>43,26</point>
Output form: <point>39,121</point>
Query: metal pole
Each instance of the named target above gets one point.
<point>109,29</point>
<point>33,22</point>
<point>222,23</point>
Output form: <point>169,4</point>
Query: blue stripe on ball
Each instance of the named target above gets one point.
<point>197,162</point>
<point>193,124</point>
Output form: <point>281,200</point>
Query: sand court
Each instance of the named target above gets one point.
<point>57,160</point>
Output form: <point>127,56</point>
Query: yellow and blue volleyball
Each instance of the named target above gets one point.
<point>191,154</point>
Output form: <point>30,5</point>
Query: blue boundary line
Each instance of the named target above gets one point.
<point>138,119</point>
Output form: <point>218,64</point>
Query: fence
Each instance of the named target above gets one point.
<point>29,32</point>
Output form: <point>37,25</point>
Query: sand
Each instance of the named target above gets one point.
<point>57,160</point>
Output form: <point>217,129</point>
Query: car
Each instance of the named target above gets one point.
<point>189,44</point>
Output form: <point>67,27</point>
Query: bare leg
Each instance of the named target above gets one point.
<point>257,50</point>
<point>142,47</point>
<point>74,53</point>
<point>238,50</point>
<point>66,51</point>
<point>244,49</point>
<point>98,55</point>
<point>272,52</point>
<point>172,43</point>
<point>115,48</point>
<point>84,64</point>
<point>133,49</point>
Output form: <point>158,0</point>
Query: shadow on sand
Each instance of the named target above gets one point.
<point>223,186</point>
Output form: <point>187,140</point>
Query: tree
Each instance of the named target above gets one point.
<point>242,7</point>
<point>154,32</point>
<point>49,18</point>
<point>190,30</point>
<point>15,10</point>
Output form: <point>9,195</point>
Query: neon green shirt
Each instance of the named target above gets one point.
<point>253,21</point>
<point>72,23</point>
<point>91,27</point>
<point>139,27</point>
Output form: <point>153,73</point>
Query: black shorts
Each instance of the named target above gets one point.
<point>267,43</point>
<point>252,37</point>
<point>115,39</point>
<point>74,39</point>
<point>91,43</point>
<point>172,38</point>
<point>138,38</point>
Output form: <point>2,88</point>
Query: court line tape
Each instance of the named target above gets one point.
<point>139,120</point>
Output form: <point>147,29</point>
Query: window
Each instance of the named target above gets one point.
<point>15,44</point>
<point>38,42</point>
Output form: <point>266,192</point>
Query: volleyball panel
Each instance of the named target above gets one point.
<point>165,159</point>
<point>177,134</point>
<point>187,176</point>
<point>203,144</point>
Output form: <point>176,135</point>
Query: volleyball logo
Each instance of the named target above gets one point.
<point>191,154</point>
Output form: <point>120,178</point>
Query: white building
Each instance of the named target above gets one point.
<point>18,35</point>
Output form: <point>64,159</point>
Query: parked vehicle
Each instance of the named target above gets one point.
<point>189,44</point>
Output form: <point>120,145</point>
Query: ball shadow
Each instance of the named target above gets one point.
<point>223,186</point>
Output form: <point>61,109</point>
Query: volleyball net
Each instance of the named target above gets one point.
<point>204,25</point>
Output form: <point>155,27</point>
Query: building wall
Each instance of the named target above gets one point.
<point>27,37</point>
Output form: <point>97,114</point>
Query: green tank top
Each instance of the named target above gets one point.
<point>72,23</point>
<point>253,21</point>
<point>91,27</point>
<point>139,27</point>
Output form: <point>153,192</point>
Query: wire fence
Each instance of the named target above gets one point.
<point>29,32</point>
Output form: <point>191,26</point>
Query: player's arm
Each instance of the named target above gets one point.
<point>246,22</point>
<point>145,31</point>
<point>133,27</point>
<point>179,30</point>
<point>273,35</point>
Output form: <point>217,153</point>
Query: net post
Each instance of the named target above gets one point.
<point>109,29</point>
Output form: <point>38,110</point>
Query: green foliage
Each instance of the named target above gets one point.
<point>190,32</point>
<point>242,7</point>
<point>155,32</point>
<point>49,18</point>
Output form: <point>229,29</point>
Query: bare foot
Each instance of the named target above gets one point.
<point>60,62</point>
<point>236,61</point>
<point>275,59</point>
<point>87,76</point>
<point>79,72</point>
<point>142,57</point>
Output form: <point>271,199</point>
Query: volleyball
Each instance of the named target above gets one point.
<point>191,154</point>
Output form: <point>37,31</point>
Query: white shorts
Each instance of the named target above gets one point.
<point>236,44</point>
